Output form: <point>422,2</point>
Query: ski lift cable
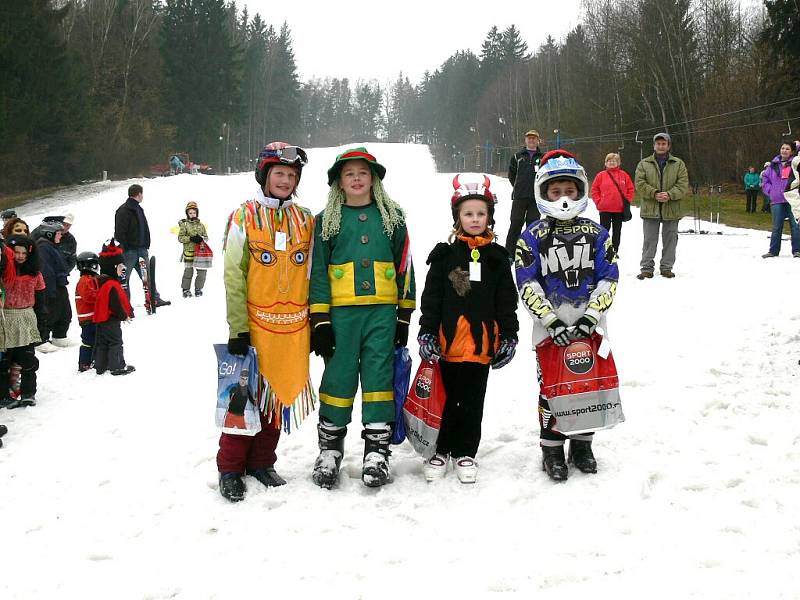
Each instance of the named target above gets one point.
<point>617,135</point>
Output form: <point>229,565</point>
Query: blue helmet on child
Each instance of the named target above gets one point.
<point>555,165</point>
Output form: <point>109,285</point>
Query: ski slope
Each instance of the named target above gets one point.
<point>109,485</point>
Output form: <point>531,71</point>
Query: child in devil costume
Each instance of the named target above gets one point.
<point>362,296</point>
<point>85,299</point>
<point>468,321</point>
<point>111,308</point>
<point>567,277</point>
<point>266,262</point>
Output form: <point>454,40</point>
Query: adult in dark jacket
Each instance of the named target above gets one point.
<point>54,271</point>
<point>68,246</point>
<point>521,174</point>
<point>133,233</point>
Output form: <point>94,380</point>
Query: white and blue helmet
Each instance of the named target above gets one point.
<point>560,164</point>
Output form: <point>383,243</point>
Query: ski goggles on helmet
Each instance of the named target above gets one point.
<point>290,155</point>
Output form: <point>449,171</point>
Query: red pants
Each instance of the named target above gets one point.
<point>240,452</point>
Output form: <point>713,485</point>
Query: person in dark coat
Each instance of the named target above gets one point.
<point>68,246</point>
<point>133,233</point>
<point>521,174</point>
<point>54,270</point>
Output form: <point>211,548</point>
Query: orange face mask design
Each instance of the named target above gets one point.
<point>277,299</point>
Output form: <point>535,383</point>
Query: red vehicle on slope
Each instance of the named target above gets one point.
<point>179,162</point>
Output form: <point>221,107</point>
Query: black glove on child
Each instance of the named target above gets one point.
<point>504,354</point>
<point>401,331</point>
<point>559,332</point>
<point>196,238</point>
<point>323,342</point>
<point>238,346</point>
<point>584,328</point>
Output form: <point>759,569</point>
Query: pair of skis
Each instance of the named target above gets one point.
<point>149,284</point>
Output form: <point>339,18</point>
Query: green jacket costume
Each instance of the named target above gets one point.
<point>649,180</point>
<point>361,276</point>
<point>186,229</point>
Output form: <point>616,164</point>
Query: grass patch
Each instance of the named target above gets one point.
<point>22,198</point>
<point>732,211</point>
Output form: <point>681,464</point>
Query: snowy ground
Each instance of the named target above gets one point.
<point>109,485</point>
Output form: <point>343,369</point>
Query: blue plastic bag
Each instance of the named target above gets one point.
<point>237,378</point>
<point>402,378</point>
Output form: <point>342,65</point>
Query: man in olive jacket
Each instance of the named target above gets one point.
<point>661,183</point>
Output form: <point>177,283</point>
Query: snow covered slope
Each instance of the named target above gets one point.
<point>108,487</point>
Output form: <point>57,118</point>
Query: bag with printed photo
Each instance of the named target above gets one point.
<point>237,381</point>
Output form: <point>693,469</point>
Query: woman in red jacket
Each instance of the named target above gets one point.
<point>608,189</point>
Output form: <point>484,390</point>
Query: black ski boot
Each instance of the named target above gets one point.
<point>375,471</point>
<point>331,450</point>
<point>581,455</point>
<point>268,476</point>
<point>553,462</point>
<point>3,431</point>
<point>231,486</point>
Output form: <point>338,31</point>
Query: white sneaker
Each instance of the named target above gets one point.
<point>435,467</point>
<point>46,348</point>
<point>63,342</point>
<point>466,469</point>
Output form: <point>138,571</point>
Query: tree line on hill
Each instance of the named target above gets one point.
<point>117,85</point>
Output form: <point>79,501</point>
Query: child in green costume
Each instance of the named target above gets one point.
<point>361,298</point>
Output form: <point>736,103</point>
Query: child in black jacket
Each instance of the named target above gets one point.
<point>468,321</point>
<point>111,308</point>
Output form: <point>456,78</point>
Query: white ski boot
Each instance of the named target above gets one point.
<point>435,467</point>
<point>466,469</point>
<point>375,471</point>
<point>331,446</point>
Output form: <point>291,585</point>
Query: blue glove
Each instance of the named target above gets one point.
<point>505,353</point>
<point>584,327</point>
<point>559,332</point>
<point>429,348</point>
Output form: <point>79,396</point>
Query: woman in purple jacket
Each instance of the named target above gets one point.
<point>774,182</point>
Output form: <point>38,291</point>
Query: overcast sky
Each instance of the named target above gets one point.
<point>376,40</point>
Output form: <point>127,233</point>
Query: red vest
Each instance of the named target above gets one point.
<point>102,310</point>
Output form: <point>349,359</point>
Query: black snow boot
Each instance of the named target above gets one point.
<point>268,476</point>
<point>3,430</point>
<point>331,451</point>
<point>231,486</point>
<point>553,462</point>
<point>581,455</point>
<point>375,471</point>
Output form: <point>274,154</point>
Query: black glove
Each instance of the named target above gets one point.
<point>196,238</point>
<point>559,332</point>
<point>238,346</point>
<point>323,342</point>
<point>584,327</point>
<point>505,353</point>
<point>429,348</point>
<point>401,331</point>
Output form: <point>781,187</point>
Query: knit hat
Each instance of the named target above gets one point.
<point>110,257</point>
<point>475,189</point>
<point>193,205</point>
<point>48,229</point>
<point>359,153</point>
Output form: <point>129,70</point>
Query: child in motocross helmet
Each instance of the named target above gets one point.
<point>566,276</point>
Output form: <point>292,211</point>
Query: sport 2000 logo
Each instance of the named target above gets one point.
<point>226,368</point>
<point>423,383</point>
<point>579,357</point>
